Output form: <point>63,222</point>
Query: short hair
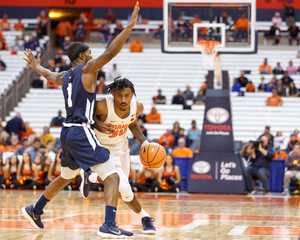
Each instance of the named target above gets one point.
<point>36,140</point>
<point>73,48</point>
<point>120,84</point>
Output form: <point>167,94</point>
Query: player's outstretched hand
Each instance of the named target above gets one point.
<point>31,60</point>
<point>107,128</point>
<point>135,14</point>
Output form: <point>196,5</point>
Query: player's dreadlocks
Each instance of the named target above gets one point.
<point>120,84</point>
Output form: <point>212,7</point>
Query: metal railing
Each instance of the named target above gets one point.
<point>21,85</point>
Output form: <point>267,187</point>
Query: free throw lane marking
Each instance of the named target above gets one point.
<point>237,230</point>
<point>194,224</point>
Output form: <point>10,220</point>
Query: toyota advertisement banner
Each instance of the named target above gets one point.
<point>216,173</point>
<point>217,133</point>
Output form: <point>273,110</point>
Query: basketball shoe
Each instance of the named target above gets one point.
<point>113,232</point>
<point>148,227</point>
<point>85,183</point>
<point>35,220</point>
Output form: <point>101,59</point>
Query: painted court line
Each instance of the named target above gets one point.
<point>237,230</point>
<point>194,224</point>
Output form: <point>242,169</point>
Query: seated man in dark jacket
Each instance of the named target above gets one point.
<point>261,160</point>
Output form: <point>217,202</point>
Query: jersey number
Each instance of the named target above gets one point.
<point>119,132</point>
<point>69,89</point>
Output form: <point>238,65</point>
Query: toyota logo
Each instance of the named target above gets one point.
<point>201,167</point>
<point>217,115</point>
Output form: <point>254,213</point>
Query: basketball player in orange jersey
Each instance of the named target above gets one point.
<point>114,115</point>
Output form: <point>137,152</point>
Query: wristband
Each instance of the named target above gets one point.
<point>144,143</point>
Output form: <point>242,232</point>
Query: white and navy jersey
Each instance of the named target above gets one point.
<point>80,105</point>
<point>117,140</point>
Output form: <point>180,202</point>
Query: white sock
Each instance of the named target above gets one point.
<point>93,177</point>
<point>143,214</point>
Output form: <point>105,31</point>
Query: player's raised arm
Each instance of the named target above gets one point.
<point>115,46</point>
<point>135,128</point>
<point>35,63</point>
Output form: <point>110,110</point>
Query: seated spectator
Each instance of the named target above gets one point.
<point>183,28</point>
<point>250,87</point>
<point>102,89</point>
<point>200,98</point>
<point>2,65</point>
<point>64,66</point>
<point>30,42</point>
<point>175,130</point>
<point>291,69</point>
<point>277,20</point>
<point>15,126</point>
<point>63,29</point>
<point>153,116</point>
<point>182,135</point>
<point>241,27</point>
<point>236,86</point>
<point>143,117</point>
<point>265,68</point>
<point>169,176</point>
<point>159,99</point>
<point>66,44</point>
<point>118,29</point>
<point>289,12</point>
<point>29,133</point>
<point>135,146</point>
<point>194,133</point>
<point>286,79</point>
<point>3,174</point>
<point>188,94</point>
<point>18,44</point>
<point>242,79</point>
<point>14,144</point>
<point>292,163</point>
<point>293,33</point>
<point>49,152</point>
<point>45,137</point>
<point>5,24</point>
<point>19,26</point>
<point>110,16</point>
<point>182,150</point>
<point>167,141</point>
<point>136,46</point>
<point>42,24</point>
<point>293,91</point>
<point>274,100</point>
<point>281,89</point>
<point>262,86</point>
<point>269,87</point>
<point>273,33</point>
<point>291,143</point>
<point>268,135</point>
<point>104,32</point>
<point>139,20</point>
<point>101,73</point>
<point>114,73</point>
<point>259,169</point>
<point>178,99</point>
<point>58,58</point>
<point>278,69</point>
<point>280,154</point>
<point>280,141</point>
<point>43,180</point>
<point>146,181</point>
<point>78,27</point>
<point>25,145</point>
<point>3,45</point>
<point>58,121</point>
<point>33,150</point>
<point>37,82</point>
<point>196,19</point>
<point>245,154</point>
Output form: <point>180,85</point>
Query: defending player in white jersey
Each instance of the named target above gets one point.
<point>114,115</point>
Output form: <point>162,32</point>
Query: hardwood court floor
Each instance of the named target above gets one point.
<point>177,216</point>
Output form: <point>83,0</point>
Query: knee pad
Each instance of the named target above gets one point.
<point>124,186</point>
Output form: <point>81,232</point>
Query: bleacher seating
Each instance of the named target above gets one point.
<point>152,70</point>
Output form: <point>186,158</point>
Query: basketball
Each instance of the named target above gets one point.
<point>152,156</point>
